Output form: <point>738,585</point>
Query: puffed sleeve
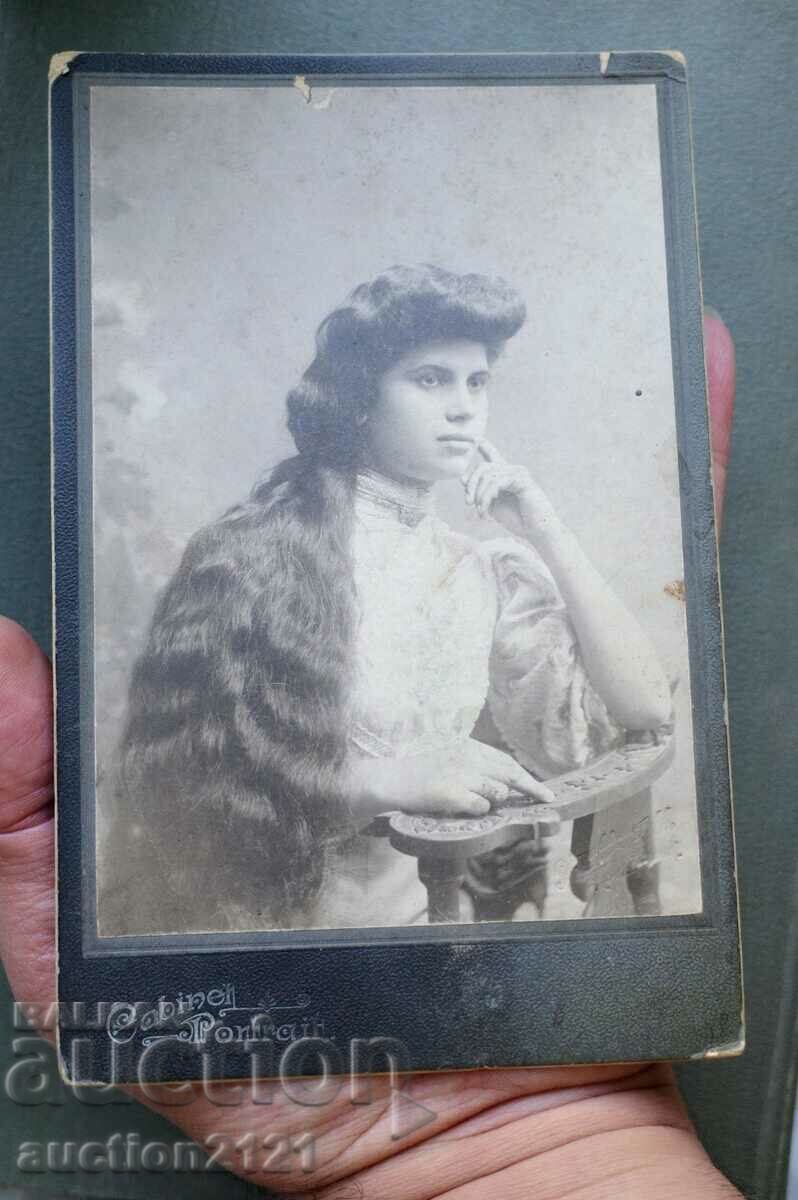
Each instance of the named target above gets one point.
<point>540,697</point>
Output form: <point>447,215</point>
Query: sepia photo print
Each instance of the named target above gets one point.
<point>387,569</point>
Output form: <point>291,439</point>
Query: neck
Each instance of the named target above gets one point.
<point>409,499</point>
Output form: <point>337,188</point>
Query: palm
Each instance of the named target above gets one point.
<point>555,1131</point>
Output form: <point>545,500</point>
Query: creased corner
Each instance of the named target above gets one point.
<point>724,1050</point>
<point>677,68</point>
<point>59,64</point>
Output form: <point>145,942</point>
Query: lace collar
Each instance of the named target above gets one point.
<point>380,496</point>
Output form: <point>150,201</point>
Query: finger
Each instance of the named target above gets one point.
<point>26,740</point>
<point>489,452</point>
<point>458,797</point>
<point>721,380</point>
<point>500,765</point>
<point>474,465</point>
<point>471,804</point>
<point>27,907</point>
<point>486,476</point>
<point>490,789</point>
<point>473,480</point>
<point>533,787</point>
<point>519,780</point>
<point>486,493</point>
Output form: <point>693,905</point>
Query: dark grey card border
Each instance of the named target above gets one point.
<point>672,987</point>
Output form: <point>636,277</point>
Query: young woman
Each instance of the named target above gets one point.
<point>326,648</point>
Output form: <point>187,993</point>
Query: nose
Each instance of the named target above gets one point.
<point>461,403</point>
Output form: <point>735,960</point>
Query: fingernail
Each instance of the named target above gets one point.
<point>709,311</point>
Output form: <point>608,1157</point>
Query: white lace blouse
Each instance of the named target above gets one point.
<point>446,625</point>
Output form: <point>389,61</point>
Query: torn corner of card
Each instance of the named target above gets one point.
<point>60,64</point>
<point>303,87</point>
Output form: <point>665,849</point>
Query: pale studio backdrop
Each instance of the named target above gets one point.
<point>226,223</point>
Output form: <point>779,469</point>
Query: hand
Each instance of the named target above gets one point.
<point>463,780</point>
<point>507,493</point>
<point>596,1131</point>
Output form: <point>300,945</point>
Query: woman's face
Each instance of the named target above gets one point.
<point>431,410</point>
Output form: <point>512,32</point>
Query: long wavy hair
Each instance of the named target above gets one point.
<point>236,737</point>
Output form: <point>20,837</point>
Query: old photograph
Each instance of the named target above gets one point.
<point>388,586</point>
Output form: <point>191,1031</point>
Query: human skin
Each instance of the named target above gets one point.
<point>434,393</point>
<point>585,1133</point>
<point>428,423</point>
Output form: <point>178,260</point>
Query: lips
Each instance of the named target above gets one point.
<point>459,439</point>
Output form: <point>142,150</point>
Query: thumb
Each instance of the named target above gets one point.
<point>27,904</point>
<point>721,380</point>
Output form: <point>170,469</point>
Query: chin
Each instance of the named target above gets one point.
<point>455,468</point>
<point>439,472</point>
<point>452,466</point>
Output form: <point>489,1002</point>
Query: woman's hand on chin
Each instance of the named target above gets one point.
<point>462,780</point>
<point>508,493</point>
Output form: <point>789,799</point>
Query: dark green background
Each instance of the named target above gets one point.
<point>741,59</point>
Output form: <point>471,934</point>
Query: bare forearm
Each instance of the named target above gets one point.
<point>619,658</point>
<point>365,790</point>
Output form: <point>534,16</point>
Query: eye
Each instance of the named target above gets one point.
<point>477,383</point>
<point>427,378</point>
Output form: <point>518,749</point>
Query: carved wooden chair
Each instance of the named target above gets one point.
<point>609,803</point>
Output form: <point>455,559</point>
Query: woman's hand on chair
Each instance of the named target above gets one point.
<point>461,780</point>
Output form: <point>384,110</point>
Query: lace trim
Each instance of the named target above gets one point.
<point>409,503</point>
